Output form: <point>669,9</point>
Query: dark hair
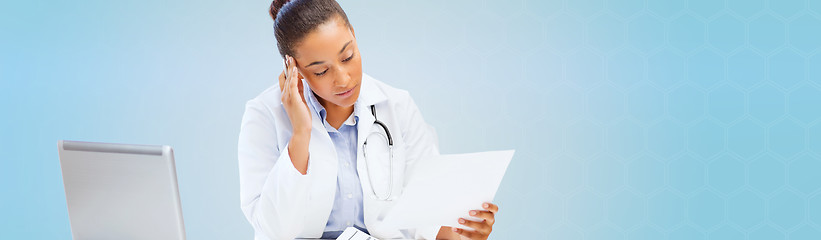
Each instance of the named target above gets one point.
<point>294,19</point>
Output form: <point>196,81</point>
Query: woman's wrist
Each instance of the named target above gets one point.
<point>298,151</point>
<point>302,132</point>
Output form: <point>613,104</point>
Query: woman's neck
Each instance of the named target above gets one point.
<point>335,114</point>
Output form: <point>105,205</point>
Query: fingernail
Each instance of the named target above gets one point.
<point>455,229</point>
<point>486,205</point>
<point>461,220</point>
<point>473,213</point>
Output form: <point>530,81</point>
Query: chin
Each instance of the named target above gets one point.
<point>351,101</point>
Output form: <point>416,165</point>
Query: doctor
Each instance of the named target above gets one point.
<point>331,152</point>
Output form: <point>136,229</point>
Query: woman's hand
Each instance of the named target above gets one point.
<point>481,229</point>
<point>293,98</point>
<point>298,113</point>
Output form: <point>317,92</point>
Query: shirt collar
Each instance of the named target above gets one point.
<point>352,119</point>
<point>314,103</point>
<point>320,110</point>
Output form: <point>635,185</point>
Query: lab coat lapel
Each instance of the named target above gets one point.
<point>369,95</point>
<point>324,161</point>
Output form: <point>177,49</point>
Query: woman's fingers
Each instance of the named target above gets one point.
<point>282,79</point>
<point>290,79</point>
<point>481,226</point>
<point>292,74</point>
<point>295,81</point>
<point>292,100</point>
<point>300,88</point>
<point>482,229</point>
<point>285,91</point>
<point>486,215</point>
<point>286,85</point>
<point>490,207</point>
<point>470,234</point>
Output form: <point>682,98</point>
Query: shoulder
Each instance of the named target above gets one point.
<point>394,96</point>
<point>268,100</point>
<point>266,109</point>
<point>398,102</point>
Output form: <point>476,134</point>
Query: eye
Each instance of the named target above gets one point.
<point>348,59</point>
<point>321,73</point>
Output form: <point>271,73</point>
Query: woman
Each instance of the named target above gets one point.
<point>302,146</point>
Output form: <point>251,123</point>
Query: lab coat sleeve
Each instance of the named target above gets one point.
<point>421,141</point>
<point>273,194</point>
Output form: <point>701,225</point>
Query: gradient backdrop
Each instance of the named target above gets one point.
<point>631,119</point>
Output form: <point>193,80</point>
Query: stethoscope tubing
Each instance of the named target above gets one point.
<point>387,135</point>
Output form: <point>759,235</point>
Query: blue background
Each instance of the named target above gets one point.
<point>631,119</point>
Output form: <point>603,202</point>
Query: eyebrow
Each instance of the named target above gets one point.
<point>340,52</point>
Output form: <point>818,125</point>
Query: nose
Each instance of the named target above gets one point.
<point>343,79</point>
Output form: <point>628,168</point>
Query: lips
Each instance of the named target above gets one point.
<point>346,92</point>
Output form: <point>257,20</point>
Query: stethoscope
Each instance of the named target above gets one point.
<point>386,135</point>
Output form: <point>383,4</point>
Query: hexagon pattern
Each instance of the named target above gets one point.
<point>692,119</point>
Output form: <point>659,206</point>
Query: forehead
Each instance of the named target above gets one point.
<point>325,41</point>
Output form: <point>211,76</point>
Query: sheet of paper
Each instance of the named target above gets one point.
<point>444,188</point>
<point>351,233</point>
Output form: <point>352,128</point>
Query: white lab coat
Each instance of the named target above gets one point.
<point>281,203</point>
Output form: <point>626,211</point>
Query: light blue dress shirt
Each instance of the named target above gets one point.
<point>348,209</point>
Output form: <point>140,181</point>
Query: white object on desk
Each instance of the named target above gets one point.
<point>444,188</point>
<point>352,233</point>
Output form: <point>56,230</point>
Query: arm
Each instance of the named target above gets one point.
<point>272,190</point>
<point>294,102</point>
<point>274,182</point>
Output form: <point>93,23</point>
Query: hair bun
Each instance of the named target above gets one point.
<point>276,5</point>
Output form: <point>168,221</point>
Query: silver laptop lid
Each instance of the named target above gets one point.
<point>121,191</point>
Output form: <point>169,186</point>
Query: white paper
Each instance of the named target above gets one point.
<point>446,187</point>
<point>351,233</point>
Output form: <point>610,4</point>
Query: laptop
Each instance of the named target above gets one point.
<point>121,191</point>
